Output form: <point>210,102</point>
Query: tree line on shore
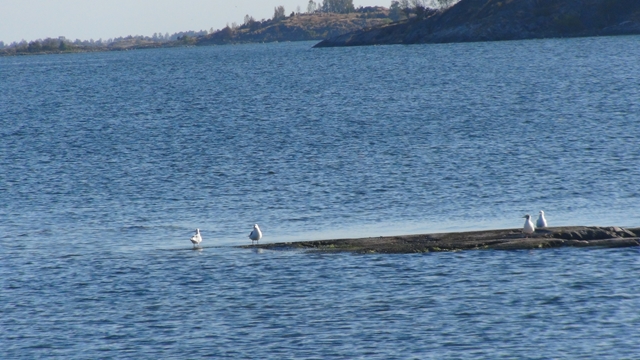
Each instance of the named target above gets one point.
<point>279,12</point>
<point>399,10</point>
<point>62,44</point>
<point>404,9</point>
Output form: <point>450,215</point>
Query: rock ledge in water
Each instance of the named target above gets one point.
<point>505,239</point>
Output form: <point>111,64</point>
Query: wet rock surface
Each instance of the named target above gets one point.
<point>505,239</point>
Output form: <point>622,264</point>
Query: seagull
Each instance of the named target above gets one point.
<point>256,234</point>
<point>542,222</point>
<point>196,239</point>
<point>528,226</point>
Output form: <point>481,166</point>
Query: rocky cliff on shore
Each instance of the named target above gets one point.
<point>492,20</point>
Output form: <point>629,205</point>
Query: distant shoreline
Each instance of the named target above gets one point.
<point>70,49</point>
<point>465,21</point>
<point>295,27</point>
<point>504,239</point>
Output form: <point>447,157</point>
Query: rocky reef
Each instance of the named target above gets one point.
<point>506,239</point>
<point>493,20</point>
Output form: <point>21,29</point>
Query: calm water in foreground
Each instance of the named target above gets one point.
<point>109,161</point>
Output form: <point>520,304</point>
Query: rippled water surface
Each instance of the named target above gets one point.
<point>108,162</point>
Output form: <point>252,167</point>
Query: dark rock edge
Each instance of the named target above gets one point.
<point>503,239</point>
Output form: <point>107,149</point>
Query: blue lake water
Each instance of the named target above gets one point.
<point>109,161</point>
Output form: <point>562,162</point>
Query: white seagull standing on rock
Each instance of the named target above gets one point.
<point>256,234</point>
<point>528,226</point>
<point>197,238</point>
<point>542,222</point>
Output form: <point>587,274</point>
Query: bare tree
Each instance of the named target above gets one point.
<point>406,8</point>
<point>311,7</point>
<point>278,12</point>
<point>248,19</point>
<point>419,7</point>
<point>338,6</point>
<point>395,12</point>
